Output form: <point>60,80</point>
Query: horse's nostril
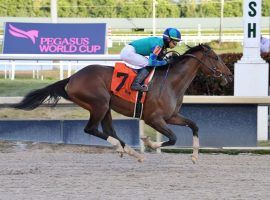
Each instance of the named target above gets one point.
<point>224,82</point>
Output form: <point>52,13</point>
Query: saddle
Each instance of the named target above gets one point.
<point>122,78</point>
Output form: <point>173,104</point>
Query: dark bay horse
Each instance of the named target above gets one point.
<point>90,89</point>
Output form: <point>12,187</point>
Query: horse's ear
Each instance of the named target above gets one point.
<point>201,45</point>
<point>205,47</point>
<point>188,46</point>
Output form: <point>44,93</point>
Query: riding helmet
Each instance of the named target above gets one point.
<point>171,34</point>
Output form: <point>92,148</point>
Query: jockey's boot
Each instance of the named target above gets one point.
<point>136,85</point>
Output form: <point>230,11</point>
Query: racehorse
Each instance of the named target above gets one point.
<point>90,89</point>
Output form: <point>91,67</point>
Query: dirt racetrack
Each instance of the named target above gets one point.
<point>54,172</point>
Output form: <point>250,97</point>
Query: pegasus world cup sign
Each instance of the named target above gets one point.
<point>44,38</point>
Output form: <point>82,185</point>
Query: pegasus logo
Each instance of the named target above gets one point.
<point>32,35</point>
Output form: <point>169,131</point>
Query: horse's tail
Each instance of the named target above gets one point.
<point>50,94</point>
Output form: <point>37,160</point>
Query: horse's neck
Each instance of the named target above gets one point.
<point>183,74</point>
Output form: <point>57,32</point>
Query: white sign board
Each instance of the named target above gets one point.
<point>252,28</point>
<point>251,72</point>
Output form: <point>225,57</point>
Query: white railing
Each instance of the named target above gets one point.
<point>195,39</point>
<point>187,38</point>
<point>91,59</point>
<point>10,66</point>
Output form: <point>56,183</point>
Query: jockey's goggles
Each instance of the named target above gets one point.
<point>170,38</point>
<point>175,41</point>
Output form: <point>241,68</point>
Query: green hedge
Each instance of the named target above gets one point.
<point>210,86</point>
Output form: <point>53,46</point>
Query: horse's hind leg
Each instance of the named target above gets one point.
<point>180,120</point>
<point>96,116</point>
<point>92,125</point>
<point>108,129</point>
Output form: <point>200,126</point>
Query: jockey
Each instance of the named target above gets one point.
<point>155,47</point>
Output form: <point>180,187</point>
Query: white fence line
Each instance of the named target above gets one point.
<point>54,57</point>
<point>186,39</point>
<point>67,57</point>
<point>9,67</point>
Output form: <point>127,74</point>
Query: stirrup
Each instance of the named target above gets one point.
<point>144,88</point>
<point>138,87</point>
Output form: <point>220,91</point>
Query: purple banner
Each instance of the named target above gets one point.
<point>45,38</point>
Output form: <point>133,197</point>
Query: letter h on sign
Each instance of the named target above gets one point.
<point>252,30</point>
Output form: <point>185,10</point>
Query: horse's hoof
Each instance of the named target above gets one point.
<point>141,160</point>
<point>121,154</point>
<point>147,141</point>
<point>194,159</point>
<point>120,151</point>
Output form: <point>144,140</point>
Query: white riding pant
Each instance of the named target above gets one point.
<point>129,55</point>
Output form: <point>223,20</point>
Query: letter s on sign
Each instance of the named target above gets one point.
<point>252,6</point>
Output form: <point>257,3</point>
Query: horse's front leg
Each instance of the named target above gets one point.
<point>149,143</point>
<point>108,129</point>
<point>180,120</point>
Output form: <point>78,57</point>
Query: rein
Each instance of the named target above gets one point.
<point>192,56</point>
<point>165,78</point>
<point>214,70</point>
<point>167,71</point>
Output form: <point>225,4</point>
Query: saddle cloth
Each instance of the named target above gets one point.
<point>122,79</point>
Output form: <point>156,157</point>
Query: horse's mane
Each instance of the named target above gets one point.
<point>196,48</point>
<point>190,50</point>
<point>179,58</point>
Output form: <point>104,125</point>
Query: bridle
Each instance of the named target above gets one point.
<point>215,72</point>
